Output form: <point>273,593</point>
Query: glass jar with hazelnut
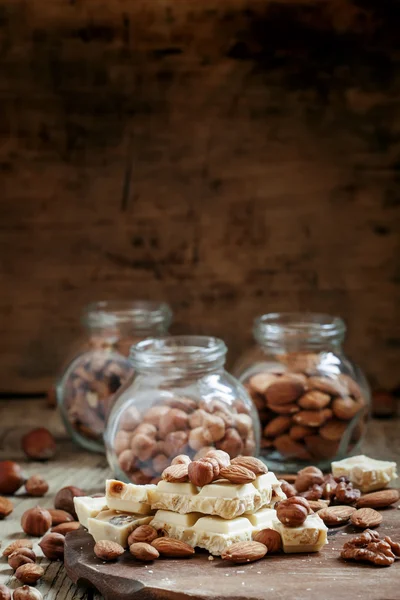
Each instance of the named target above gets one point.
<point>312,401</point>
<point>179,401</point>
<point>86,390</point>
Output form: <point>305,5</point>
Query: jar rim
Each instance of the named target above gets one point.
<point>181,351</point>
<point>142,314</point>
<point>308,326</point>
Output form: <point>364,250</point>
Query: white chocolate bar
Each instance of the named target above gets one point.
<point>128,497</point>
<point>87,507</point>
<point>215,534</point>
<point>310,537</point>
<point>115,526</point>
<point>365,473</point>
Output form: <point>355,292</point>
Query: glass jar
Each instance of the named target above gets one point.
<point>86,390</point>
<point>312,401</point>
<point>179,401</point>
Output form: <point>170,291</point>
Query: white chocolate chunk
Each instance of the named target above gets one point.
<point>121,496</point>
<point>115,526</point>
<point>167,516</point>
<point>220,525</point>
<point>224,489</point>
<point>185,489</point>
<point>365,473</point>
<point>262,519</point>
<point>87,507</point>
<point>310,537</point>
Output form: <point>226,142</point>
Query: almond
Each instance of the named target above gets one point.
<point>176,473</point>
<point>171,547</point>
<point>320,448</point>
<point>143,533</point>
<point>317,505</point>
<point>260,382</point>
<point>333,430</point>
<point>106,550</point>
<point>143,551</point>
<point>299,432</point>
<point>378,499</point>
<point>314,400</point>
<point>237,474</point>
<point>366,518</point>
<point>277,426</point>
<point>284,409</point>
<point>291,449</point>
<point>181,459</point>
<point>270,538</point>
<point>345,408</point>
<point>59,516</point>
<point>284,391</point>
<point>312,418</point>
<point>336,515</point>
<point>222,457</point>
<point>328,385</point>
<point>65,528</point>
<point>251,463</point>
<point>245,552</point>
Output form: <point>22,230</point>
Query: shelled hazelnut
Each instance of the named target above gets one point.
<point>64,499</point>
<point>11,477</point>
<point>36,521</point>
<point>36,485</point>
<point>146,442</point>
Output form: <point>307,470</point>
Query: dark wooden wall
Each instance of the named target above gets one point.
<point>230,156</point>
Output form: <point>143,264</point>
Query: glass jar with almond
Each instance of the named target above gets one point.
<point>100,364</point>
<point>180,400</point>
<point>313,402</point>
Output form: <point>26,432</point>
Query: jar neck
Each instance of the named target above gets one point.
<point>299,332</point>
<point>179,356</point>
<point>108,322</point>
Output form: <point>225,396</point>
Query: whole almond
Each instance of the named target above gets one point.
<point>15,545</point>
<point>171,547</point>
<point>261,382</point>
<point>65,528</point>
<point>200,472</point>
<point>237,474</point>
<point>312,418</point>
<point>59,516</point>
<point>378,499</point>
<point>299,432</point>
<point>29,573</point>
<point>333,430</point>
<point>143,533</point>
<point>317,505</point>
<point>270,538</point>
<point>284,409</point>
<point>284,391</point>
<point>345,408</point>
<point>277,426</point>
<point>291,449</point>
<point>251,463</point>
<point>366,518</point>
<point>314,400</point>
<point>143,551</point>
<point>333,516</point>
<point>328,385</point>
<point>176,473</point>
<point>6,507</point>
<point>244,552</point>
<point>106,550</point>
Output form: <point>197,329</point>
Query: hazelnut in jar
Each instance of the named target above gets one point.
<point>180,400</point>
<point>312,401</point>
<point>86,390</point>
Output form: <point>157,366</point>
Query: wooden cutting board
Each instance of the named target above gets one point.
<point>322,576</point>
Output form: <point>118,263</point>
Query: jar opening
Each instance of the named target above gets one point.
<point>186,352</point>
<point>141,314</point>
<point>299,329</point>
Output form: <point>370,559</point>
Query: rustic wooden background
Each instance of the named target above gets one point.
<point>230,156</point>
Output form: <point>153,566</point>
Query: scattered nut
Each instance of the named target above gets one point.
<point>65,528</point>
<point>346,494</point>
<point>6,507</point>
<point>333,516</point>
<point>293,511</point>
<point>39,444</point>
<point>200,472</point>
<point>379,499</point>
<point>29,573</point>
<point>20,557</point>
<point>223,458</point>
<point>167,546</point>
<point>143,551</point>
<point>36,486</point>
<point>27,593</point>
<point>52,546</point>
<point>288,489</point>
<point>15,545</point>
<point>307,477</point>
<point>181,459</point>
<point>368,547</point>
<point>244,552</point>
<point>237,474</point>
<point>108,551</point>
<point>143,533</point>
<point>64,499</point>
<point>59,516</point>
<point>176,473</point>
<point>5,592</point>
<point>36,521</point>
<point>252,464</point>
<point>366,518</point>
<point>270,538</point>
<point>11,477</point>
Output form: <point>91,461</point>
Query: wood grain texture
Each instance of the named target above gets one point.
<point>75,467</point>
<point>232,157</point>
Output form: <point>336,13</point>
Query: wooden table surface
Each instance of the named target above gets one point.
<point>73,466</point>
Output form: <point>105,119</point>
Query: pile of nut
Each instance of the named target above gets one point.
<point>145,443</point>
<point>37,522</point>
<point>304,415</point>
<point>368,547</point>
<point>88,390</point>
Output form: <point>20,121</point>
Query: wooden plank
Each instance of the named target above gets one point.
<point>232,158</point>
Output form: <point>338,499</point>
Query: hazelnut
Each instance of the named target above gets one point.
<point>36,521</point>
<point>11,477</point>
<point>143,533</point>
<point>288,488</point>
<point>201,472</point>
<point>130,419</point>
<point>197,418</point>
<point>127,460</point>
<point>59,516</point>
<point>231,443</point>
<point>160,462</point>
<point>122,442</point>
<point>52,545</point>
<point>36,486</point>
<point>199,437</point>
<point>15,545</point>
<point>175,442</point>
<point>270,538</point>
<point>6,507</point>
<point>215,427</point>
<point>142,446</point>
<point>243,424</point>
<point>29,573</point>
<point>5,592</point>
<point>146,429</point>
<point>307,477</point>
<point>27,593</point>
<point>64,499</point>
<point>174,420</point>
<point>107,550</point>
<point>20,557</point>
<point>293,511</point>
<point>203,452</point>
<point>39,444</point>
<point>155,414</point>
